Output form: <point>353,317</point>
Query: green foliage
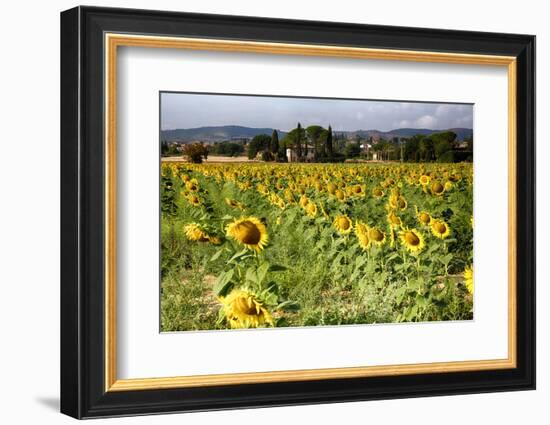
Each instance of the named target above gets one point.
<point>440,147</point>
<point>227,148</point>
<point>169,149</point>
<point>274,143</point>
<point>267,156</point>
<point>447,156</point>
<point>314,135</point>
<point>410,151</point>
<point>328,142</point>
<point>470,144</point>
<point>258,143</point>
<point>296,139</point>
<point>195,152</point>
<point>167,196</point>
<point>352,150</point>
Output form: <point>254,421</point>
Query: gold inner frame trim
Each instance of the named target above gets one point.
<point>113,41</point>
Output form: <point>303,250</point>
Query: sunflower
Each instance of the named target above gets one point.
<point>331,188</point>
<point>311,209</point>
<point>357,190</point>
<point>249,231</point>
<point>424,218</point>
<point>437,188</point>
<point>362,232</point>
<point>262,189</point>
<point>234,204</point>
<point>277,201</point>
<point>412,240</point>
<point>376,236</point>
<point>424,180</point>
<point>455,177</point>
<point>397,202</point>
<point>343,224</point>
<point>340,195</point>
<point>281,203</point>
<point>469,279</point>
<point>244,185</point>
<point>304,201</point>
<point>214,240</point>
<point>194,200</point>
<point>243,309</point>
<point>289,196</point>
<point>440,229</point>
<point>401,203</point>
<point>192,185</point>
<point>394,220</point>
<point>194,232</point>
<point>377,192</point>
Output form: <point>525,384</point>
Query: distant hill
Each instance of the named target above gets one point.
<point>461,133</point>
<point>228,132</point>
<point>215,134</point>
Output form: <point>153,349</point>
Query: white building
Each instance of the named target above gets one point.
<point>293,156</point>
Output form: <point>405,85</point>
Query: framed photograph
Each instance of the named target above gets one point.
<point>261,212</point>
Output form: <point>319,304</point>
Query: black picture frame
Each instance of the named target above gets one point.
<point>83,392</point>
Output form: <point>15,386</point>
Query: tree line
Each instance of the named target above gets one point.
<point>312,142</point>
<point>317,144</point>
<point>169,149</point>
<point>436,147</point>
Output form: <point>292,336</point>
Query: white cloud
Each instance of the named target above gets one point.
<point>402,124</point>
<point>426,121</point>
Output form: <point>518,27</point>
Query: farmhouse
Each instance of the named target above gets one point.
<point>292,154</point>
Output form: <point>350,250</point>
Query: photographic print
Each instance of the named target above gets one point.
<point>293,211</point>
<point>327,218</point>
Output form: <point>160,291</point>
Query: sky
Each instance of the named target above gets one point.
<point>186,110</point>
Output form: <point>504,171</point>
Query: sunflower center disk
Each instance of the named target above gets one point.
<point>441,228</point>
<point>437,187</point>
<point>343,223</point>
<point>412,239</point>
<point>246,306</point>
<point>248,233</point>
<point>376,235</point>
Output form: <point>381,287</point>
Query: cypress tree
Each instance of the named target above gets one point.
<point>299,141</point>
<point>329,141</point>
<point>274,142</point>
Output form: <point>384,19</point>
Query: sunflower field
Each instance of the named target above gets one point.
<point>247,245</point>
